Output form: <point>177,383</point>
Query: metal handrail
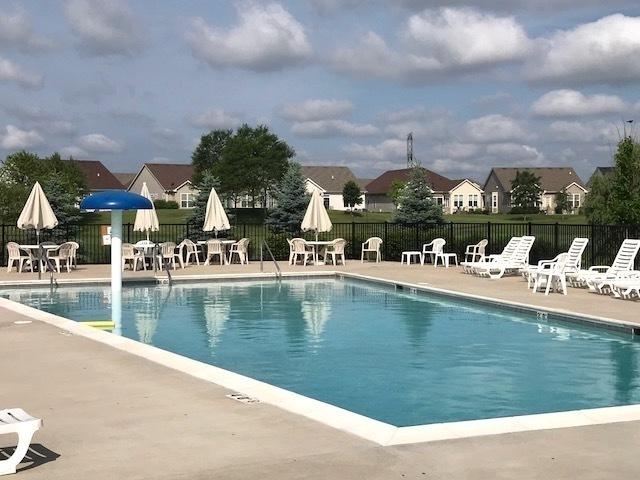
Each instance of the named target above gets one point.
<point>49,264</point>
<point>278,271</point>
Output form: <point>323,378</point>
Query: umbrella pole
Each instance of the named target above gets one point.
<point>39,256</point>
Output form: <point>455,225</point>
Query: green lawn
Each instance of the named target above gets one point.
<point>252,216</point>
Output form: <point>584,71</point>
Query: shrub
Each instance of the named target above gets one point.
<point>165,204</point>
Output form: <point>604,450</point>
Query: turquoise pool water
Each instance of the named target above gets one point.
<point>398,357</point>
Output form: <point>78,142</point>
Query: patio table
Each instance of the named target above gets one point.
<point>34,248</point>
<point>226,243</point>
<point>315,244</point>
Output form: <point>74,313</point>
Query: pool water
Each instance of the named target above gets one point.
<point>402,358</point>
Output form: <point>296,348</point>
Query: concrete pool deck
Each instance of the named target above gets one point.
<point>110,414</point>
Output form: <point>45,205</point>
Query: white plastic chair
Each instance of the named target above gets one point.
<point>130,254</point>
<point>74,254</point>
<point>214,248</point>
<point>241,249</point>
<point>189,249</point>
<point>64,253</point>
<point>16,256</point>
<point>372,245</point>
<point>336,249</point>
<point>476,252</point>
<point>571,266</point>
<point>168,254</point>
<point>16,420</point>
<point>507,252</point>
<point>432,249</point>
<point>552,273</point>
<point>301,249</point>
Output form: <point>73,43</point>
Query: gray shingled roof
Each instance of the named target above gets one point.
<point>552,179</point>
<point>330,178</point>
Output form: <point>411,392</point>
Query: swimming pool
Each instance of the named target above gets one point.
<point>394,356</point>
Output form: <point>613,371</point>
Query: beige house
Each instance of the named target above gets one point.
<point>329,181</point>
<point>453,195</point>
<point>497,188</point>
<point>167,181</point>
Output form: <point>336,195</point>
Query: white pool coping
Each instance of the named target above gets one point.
<point>367,428</point>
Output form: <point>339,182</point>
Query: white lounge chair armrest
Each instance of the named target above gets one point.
<point>599,268</point>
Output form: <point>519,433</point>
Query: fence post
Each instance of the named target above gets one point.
<point>593,245</point>
<point>384,243</point>
<point>3,242</point>
<point>353,239</point>
<point>244,230</point>
<point>529,228</point>
<point>489,237</point>
<point>417,244</point>
<point>556,235</point>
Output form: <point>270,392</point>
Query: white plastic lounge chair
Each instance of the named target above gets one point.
<point>475,253</point>
<point>627,288</point>
<point>372,245</point>
<point>336,249</point>
<point>497,268</point>
<point>130,254</point>
<point>16,420</point>
<point>19,256</point>
<point>432,249</point>
<point>599,277</point>
<point>300,249</point>
<point>551,273</point>
<point>572,264</point>
<point>509,249</point>
<point>190,251</point>
<point>214,248</point>
<point>241,249</point>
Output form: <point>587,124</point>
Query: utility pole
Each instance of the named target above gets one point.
<point>410,162</point>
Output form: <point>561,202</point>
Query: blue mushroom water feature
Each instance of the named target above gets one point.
<point>116,201</point>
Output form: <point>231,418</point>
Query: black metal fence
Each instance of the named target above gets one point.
<point>551,238</point>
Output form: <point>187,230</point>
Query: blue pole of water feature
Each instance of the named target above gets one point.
<point>116,201</point>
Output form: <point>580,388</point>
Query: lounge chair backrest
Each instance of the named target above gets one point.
<point>14,249</point>
<point>626,256</point>
<point>521,253</point>
<point>510,247</point>
<point>574,255</point>
<point>299,245</point>
<point>338,245</point>
<point>373,243</point>
<point>214,247</point>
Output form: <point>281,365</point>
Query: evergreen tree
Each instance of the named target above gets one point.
<point>396,190</point>
<point>525,192</point>
<point>416,203</point>
<point>562,202</point>
<point>351,195</point>
<point>199,211</point>
<point>291,202</point>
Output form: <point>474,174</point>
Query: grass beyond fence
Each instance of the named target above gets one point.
<point>551,239</point>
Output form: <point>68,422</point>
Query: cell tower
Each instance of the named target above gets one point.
<point>410,162</point>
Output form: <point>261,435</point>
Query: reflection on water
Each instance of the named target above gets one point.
<point>391,355</point>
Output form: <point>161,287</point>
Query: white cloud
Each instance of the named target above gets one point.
<point>16,31</point>
<point>99,143</point>
<point>456,150</point>
<point>267,38</point>
<point>105,27</point>
<point>604,51</point>
<point>316,110</point>
<point>570,103</point>
<point>332,128</point>
<point>17,139</point>
<point>515,153</point>
<point>495,128</point>
<point>437,42</point>
<point>11,72</point>
<point>595,131</point>
<point>214,119</point>
<point>73,151</point>
<point>424,123</point>
<point>388,154</point>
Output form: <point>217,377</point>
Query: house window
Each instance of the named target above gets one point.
<point>326,201</point>
<point>458,201</point>
<point>186,200</point>
<point>473,201</point>
<point>574,201</point>
<point>439,201</point>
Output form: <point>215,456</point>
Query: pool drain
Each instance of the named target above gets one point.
<point>240,397</point>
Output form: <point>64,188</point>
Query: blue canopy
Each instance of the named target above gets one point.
<point>116,200</point>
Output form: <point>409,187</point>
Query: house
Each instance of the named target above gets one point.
<point>167,181</point>
<point>125,178</point>
<point>97,177</point>
<point>497,188</point>
<point>601,172</point>
<point>330,181</point>
<point>453,195</point>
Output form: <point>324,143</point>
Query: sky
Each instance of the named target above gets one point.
<point>479,83</point>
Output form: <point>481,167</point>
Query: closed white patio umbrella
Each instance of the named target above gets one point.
<point>146,220</point>
<point>37,213</point>
<point>316,218</point>
<point>215,218</point>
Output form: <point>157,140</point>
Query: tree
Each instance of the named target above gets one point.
<point>562,202</point>
<point>615,198</point>
<point>351,195</point>
<point>63,183</point>
<point>526,192</point>
<point>207,182</point>
<point>252,162</point>
<point>397,186</point>
<point>416,203</point>
<point>291,202</point>
<point>209,152</point>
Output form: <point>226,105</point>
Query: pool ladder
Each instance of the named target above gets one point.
<point>53,283</point>
<point>164,264</point>
<point>264,245</point>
